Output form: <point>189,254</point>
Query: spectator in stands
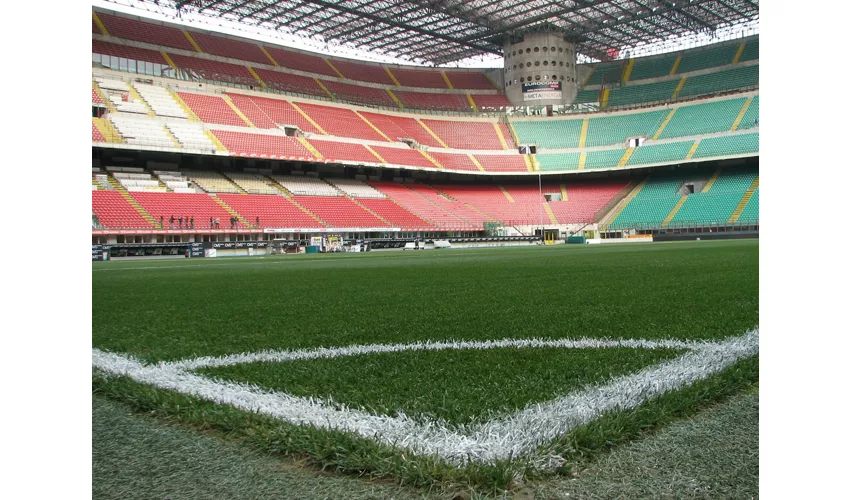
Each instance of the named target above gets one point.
<point>180,221</point>
<point>160,222</point>
<point>258,221</point>
<point>192,222</point>
<point>211,223</point>
<point>171,222</point>
<point>217,222</point>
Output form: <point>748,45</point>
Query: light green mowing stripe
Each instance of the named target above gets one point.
<point>615,129</point>
<point>720,81</point>
<point>634,94</point>
<point>710,57</point>
<point>558,161</point>
<point>552,134</point>
<point>652,67</point>
<point>706,118</point>
<point>659,153</point>
<point>728,145</point>
<point>607,158</point>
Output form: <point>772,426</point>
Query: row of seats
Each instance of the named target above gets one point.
<point>160,101</point>
<point>141,130</point>
<point>718,204</point>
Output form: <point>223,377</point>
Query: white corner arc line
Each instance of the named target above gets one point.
<point>516,435</point>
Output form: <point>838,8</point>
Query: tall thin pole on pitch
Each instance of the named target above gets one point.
<point>540,189</point>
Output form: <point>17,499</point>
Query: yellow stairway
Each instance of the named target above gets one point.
<point>744,200</point>
<point>132,201</point>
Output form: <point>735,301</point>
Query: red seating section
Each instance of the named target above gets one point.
<point>338,211</point>
<point>419,78</point>
<point>250,109</point>
<point>455,161</point>
<point>340,122</point>
<point>359,93</point>
<point>282,113</point>
<point>398,156</point>
<point>113,211</point>
<point>300,61</point>
<point>216,71</point>
<point>261,145</point>
<point>472,217</point>
<point>95,98</point>
<point>201,206</point>
<point>492,201</point>
<point>418,205</point>
<point>444,102</point>
<point>585,200</point>
<point>116,50</point>
<point>289,82</point>
<point>397,127</point>
<point>468,135</point>
<point>148,32</point>
<point>502,163</point>
<point>96,136</point>
<point>469,80</point>
<point>393,212</point>
<point>212,109</point>
<point>490,101</point>
<point>339,151</point>
<point>273,211</point>
<point>226,47</point>
<point>362,72</point>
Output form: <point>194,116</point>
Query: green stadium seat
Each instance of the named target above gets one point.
<point>710,57</point>
<point>728,145</point>
<point>558,161</point>
<point>716,206</point>
<point>637,94</point>
<point>611,72</point>
<point>607,158</point>
<point>615,129</point>
<point>750,117</point>
<point>706,118</point>
<point>720,81</point>
<point>751,211</point>
<point>655,201</point>
<point>751,51</point>
<point>552,134</point>
<point>652,67</point>
<point>659,153</point>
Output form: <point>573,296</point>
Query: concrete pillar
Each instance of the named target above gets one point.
<point>535,65</point>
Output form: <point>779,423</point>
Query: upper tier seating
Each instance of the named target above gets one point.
<point>610,73</point>
<point>716,205</point>
<point>403,156</point>
<point>227,47</point>
<point>751,50</point>
<point>706,118</point>
<point>398,127</point>
<point>502,163</point>
<point>141,130</point>
<point>362,72</point>
<point>340,122</point>
<point>127,52</point>
<point>138,182</point>
<point>554,134</point>
<point>212,182</point>
<point>262,145</point>
<point>252,183</point>
<point>418,205</point>
<point>306,185</point>
<point>339,211</point>
<point>426,78</point>
<point>113,211</point>
<point>728,145</point>
<point>343,151</point>
<point>472,80</point>
<point>254,113</point>
<point>454,161</point>
<point>490,101</point>
<point>469,135</point>
<point>558,161</point>
<point>273,211</point>
<point>359,93</point>
<point>160,100</point>
<point>118,93</point>
<point>720,81</point>
<point>216,71</point>
<point>212,109</point>
<point>615,129</point>
<point>300,61</point>
<point>708,57</point>
<point>652,67</point>
<point>751,116</point>
<point>397,216</point>
<point>357,189</point>
<point>642,93</point>
<point>148,32</point>
<point>201,206</point>
<point>654,202</point>
<point>290,82</point>
<point>607,158</point>
<point>282,113</point>
<point>585,200</point>
<point>660,153</point>
<point>423,100</point>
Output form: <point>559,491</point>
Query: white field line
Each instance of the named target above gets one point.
<point>518,435</point>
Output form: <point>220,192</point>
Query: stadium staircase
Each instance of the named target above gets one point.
<point>132,201</point>
<point>291,197</point>
<point>606,221</point>
<point>357,202</point>
<point>232,212</point>
<point>744,200</point>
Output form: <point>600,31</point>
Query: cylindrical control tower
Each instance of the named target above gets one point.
<point>540,70</point>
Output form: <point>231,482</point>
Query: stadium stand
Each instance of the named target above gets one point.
<point>362,72</point>
<point>705,118</point>
<point>502,163</point>
<point>401,127</point>
<point>638,94</point>
<point>306,185</point>
<point>403,156</point>
<point>751,209</point>
<point>262,145</point>
<point>126,52</point>
<point>470,80</point>
<point>720,81</point>
<point>553,134</point>
<point>358,93</point>
<point>300,61</point>
<point>652,67</point>
<point>469,215</point>
<point>141,130</point>
<point>470,135</point>
<point>252,183</point>
<point>228,47</point>
<point>585,200</point>
<point>717,204</point>
<point>728,145</point>
<point>249,108</point>
<point>215,71</point>
<point>356,189</point>
<point>148,32</point>
<point>212,182</point>
<point>651,206</point>
<point>607,158</point>
<point>558,161</point>
<point>750,118</point>
<point>418,205</point>
<point>391,211</point>
<point>272,211</point>
<point>343,151</point>
<point>160,100</point>
<point>660,153</point>
<point>212,109</point>
<point>708,57</point>
<point>455,161</point>
<point>751,50</point>
<point>615,129</point>
<point>289,82</point>
<point>443,102</point>
<point>340,122</point>
<point>339,211</point>
<point>114,211</point>
<point>425,78</point>
<point>201,206</point>
<point>609,73</point>
<point>283,113</point>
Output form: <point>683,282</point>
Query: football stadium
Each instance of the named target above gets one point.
<point>577,183</point>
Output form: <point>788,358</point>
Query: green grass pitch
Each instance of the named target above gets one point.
<point>164,311</point>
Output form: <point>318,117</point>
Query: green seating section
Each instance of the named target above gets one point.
<point>710,57</point>
<point>637,94</point>
<point>751,211</point>
<point>607,158</point>
<point>552,134</point>
<point>558,161</point>
<point>659,153</point>
<point>752,114</point>
<point>751,51</point>
<point>611,72</point>
<point>587,96</point>
<point>717,205</point>
<point>652,67</point>
<point>655,201</point>
<point>696,119</point>
<point>728,145</point>
<point>720,81</point>
<point>615,129</point>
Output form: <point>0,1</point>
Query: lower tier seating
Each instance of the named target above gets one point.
<point>585,200</point>
<point>339,211</point>
<point>394,213</point>
<point>657,198</point>
<point>114,211</point>
<point>272,211</point>
<point>199,206</point>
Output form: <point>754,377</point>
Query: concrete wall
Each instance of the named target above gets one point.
<point>540,58</point>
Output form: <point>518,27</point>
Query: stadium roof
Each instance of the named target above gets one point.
<point>444,31</point>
